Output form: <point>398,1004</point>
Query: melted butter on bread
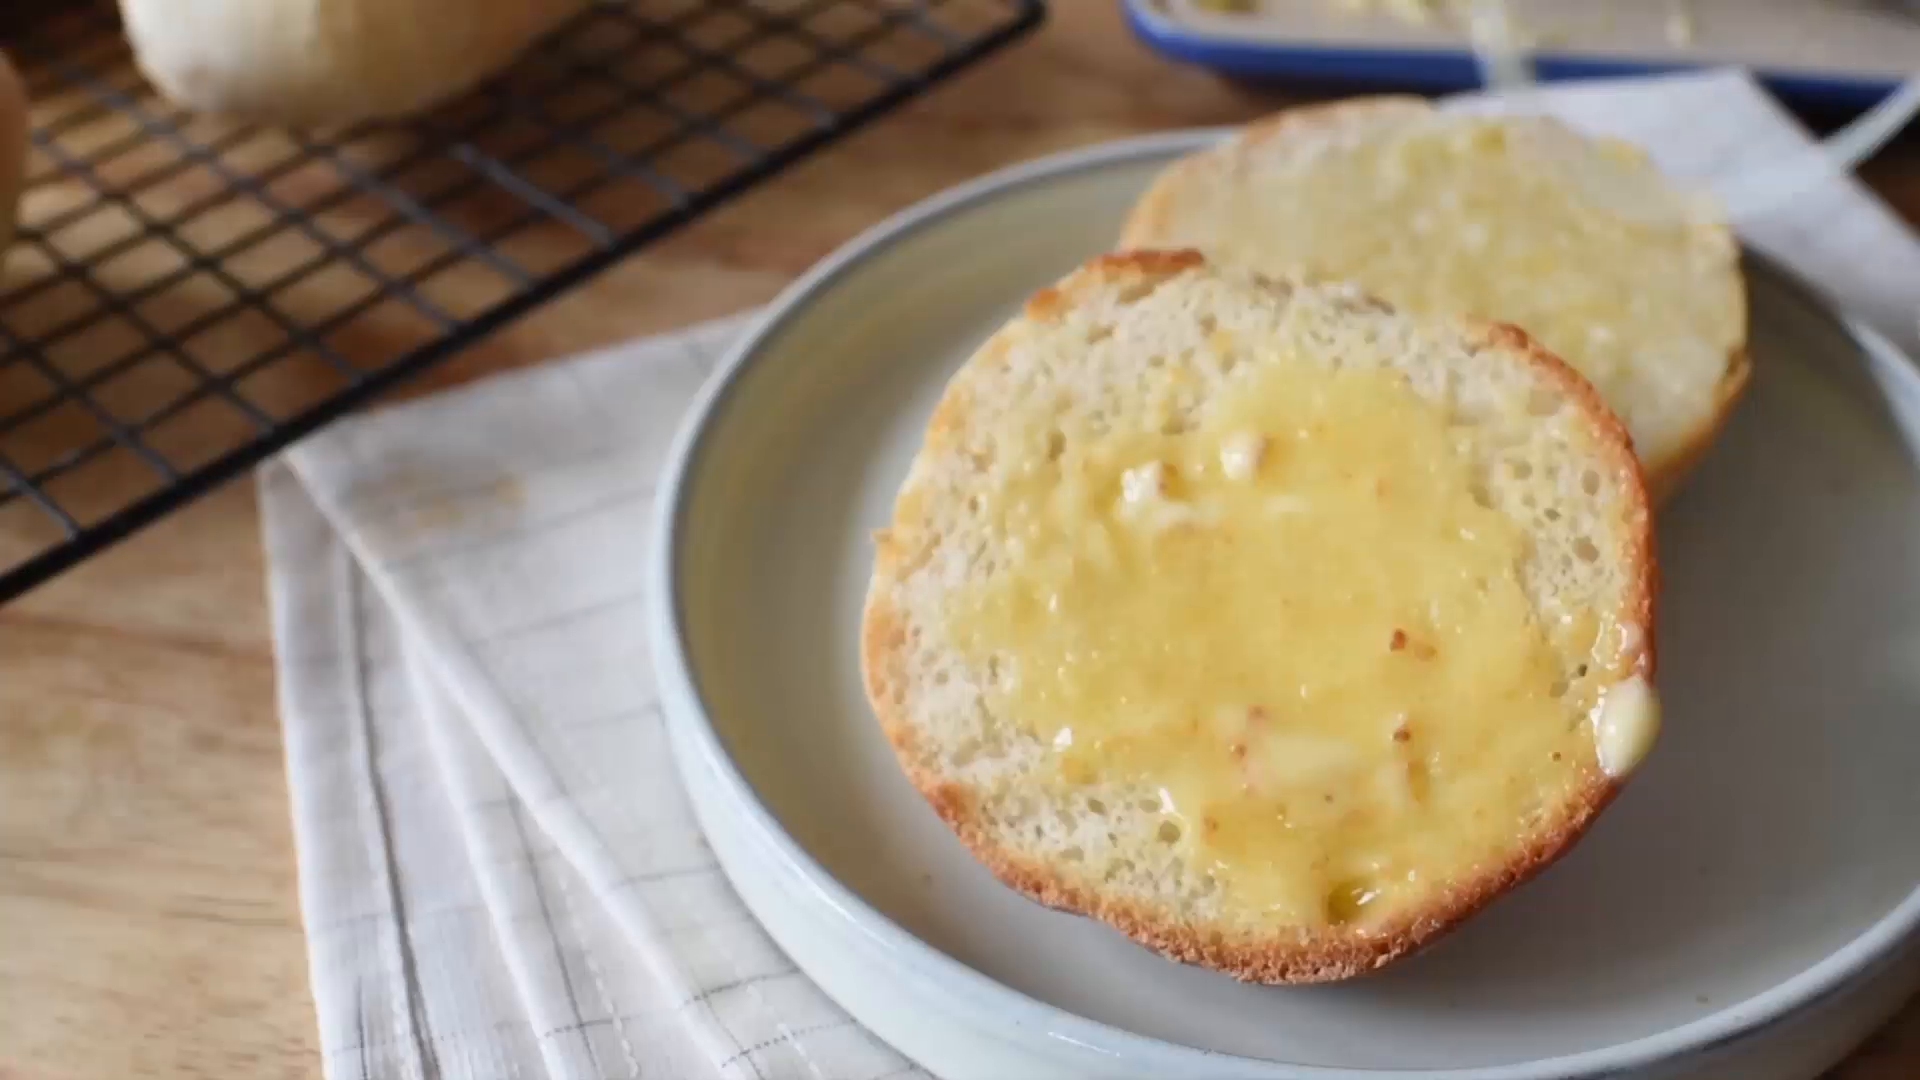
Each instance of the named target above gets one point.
<point>1303,625</point>
<point>1186,551</point>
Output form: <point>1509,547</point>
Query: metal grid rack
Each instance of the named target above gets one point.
<point>188,295</point>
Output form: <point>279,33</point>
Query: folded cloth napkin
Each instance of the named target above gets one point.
<point>498,873</point>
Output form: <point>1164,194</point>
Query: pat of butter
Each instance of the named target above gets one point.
<point>1328,672</point>
<point>1625,725</point>
<point>1144,500</point>
<point>1144,484</point>
<point>1240,455</point>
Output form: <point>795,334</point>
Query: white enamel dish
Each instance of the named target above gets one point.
<point>1747,910</point>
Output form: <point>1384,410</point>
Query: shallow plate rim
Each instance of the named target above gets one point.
<point>1855,961</point>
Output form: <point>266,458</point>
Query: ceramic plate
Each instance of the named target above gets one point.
<point>1744,910</point>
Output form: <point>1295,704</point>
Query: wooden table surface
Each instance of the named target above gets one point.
<point>148,920</point>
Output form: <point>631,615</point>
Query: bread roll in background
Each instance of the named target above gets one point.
<point>314,62</point>
<point>13,149</point>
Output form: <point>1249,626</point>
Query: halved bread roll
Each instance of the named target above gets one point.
<point>1275,628</point>
<point>1578,241</point>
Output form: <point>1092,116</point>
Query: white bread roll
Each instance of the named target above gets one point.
<point>305,62</point>
<point>13,149</point>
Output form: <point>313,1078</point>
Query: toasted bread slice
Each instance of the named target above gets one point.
<point>1579,241</point>
<point>1294,714</point>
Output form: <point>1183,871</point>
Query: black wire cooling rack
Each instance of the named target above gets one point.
<point>159,250</point>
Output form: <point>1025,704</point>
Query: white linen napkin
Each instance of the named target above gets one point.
<point>498,874</point>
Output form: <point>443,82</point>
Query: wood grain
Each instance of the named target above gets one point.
<point>149,925</point>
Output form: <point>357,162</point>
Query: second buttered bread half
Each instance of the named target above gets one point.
<point>1273,627</point>
<point>1578,240</point>
<point>318,62</point>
